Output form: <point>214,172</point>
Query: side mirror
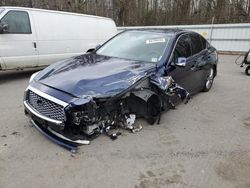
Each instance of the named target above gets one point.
<point>93,49</point>
<point>181,62</point>
<point>4,28</point>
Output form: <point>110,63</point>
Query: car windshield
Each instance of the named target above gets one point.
<point>137,45</point>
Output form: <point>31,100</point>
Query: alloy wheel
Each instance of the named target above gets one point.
<point>210,79</point>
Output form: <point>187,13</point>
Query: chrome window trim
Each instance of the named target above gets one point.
<point>33,111</point>
<point>46,96</point>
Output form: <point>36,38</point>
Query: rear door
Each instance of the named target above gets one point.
<point>198,53</point>
<point>18,45</point>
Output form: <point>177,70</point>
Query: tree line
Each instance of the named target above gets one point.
<point>150,12</point>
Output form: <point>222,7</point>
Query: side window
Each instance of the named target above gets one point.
<point>203,42</point>
<point>183,47</point>
<point>18,22</point>
<point>196,43</point>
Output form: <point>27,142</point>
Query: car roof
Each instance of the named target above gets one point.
<point>174,31</point>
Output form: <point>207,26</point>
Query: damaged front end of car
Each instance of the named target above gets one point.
<point>80,121</point>
<point>104,115</point>
<point>83,120</point>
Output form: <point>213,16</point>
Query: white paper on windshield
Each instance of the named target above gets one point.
<point>153,41</point>
<point>154,59</point>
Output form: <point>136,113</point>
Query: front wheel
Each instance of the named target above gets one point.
<point>247,71</point>
<point>209,80</point>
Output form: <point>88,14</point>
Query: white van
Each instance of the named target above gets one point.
<point>36,37</point>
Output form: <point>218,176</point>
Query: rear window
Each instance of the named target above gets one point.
<point>18,22</point>
<point>196,43</point>
<point>203,42</point>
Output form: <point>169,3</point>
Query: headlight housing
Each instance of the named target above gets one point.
<point>33,76</point>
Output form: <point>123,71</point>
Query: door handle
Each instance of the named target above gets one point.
<point>34,44</point>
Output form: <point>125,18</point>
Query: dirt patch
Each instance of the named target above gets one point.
<point>160,182</point>
<point>246,122</point>
<point>235,169</point>
<point>170,175</point>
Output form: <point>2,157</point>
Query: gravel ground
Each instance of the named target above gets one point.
<point>205,143</point>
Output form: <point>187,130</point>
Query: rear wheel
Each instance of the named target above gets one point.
<point>247,71</point>
<point>209,80</point>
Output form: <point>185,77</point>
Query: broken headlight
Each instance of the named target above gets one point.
<point>84,114</point>
<point>82,117</point>
<point>85,122</point>
<point>76,118</point>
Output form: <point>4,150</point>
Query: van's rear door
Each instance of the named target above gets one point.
<point>18,45</point>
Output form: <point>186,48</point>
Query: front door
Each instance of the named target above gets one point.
<point>182,75</point>
<point>18,44</point>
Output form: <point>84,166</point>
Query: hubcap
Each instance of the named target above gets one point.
<point>210,79</point>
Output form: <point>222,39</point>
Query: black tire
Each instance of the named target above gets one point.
<point>247,71</point>
<point>209,80</point>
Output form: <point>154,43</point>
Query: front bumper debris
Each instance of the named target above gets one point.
<point>43,124</point>
<point>71,146</point>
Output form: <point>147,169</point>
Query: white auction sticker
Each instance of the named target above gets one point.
<point>154,59</point>
<point>153,41</point>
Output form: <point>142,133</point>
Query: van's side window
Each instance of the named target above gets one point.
<point>18,22</point>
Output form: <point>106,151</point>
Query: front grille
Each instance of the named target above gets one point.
<point>45,107</point>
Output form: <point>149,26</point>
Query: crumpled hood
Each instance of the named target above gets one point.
<point>94,75</point>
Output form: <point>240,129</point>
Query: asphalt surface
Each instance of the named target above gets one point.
<point>205,143</point>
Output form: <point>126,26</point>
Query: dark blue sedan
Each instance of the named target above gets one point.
<point>136,74</point>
